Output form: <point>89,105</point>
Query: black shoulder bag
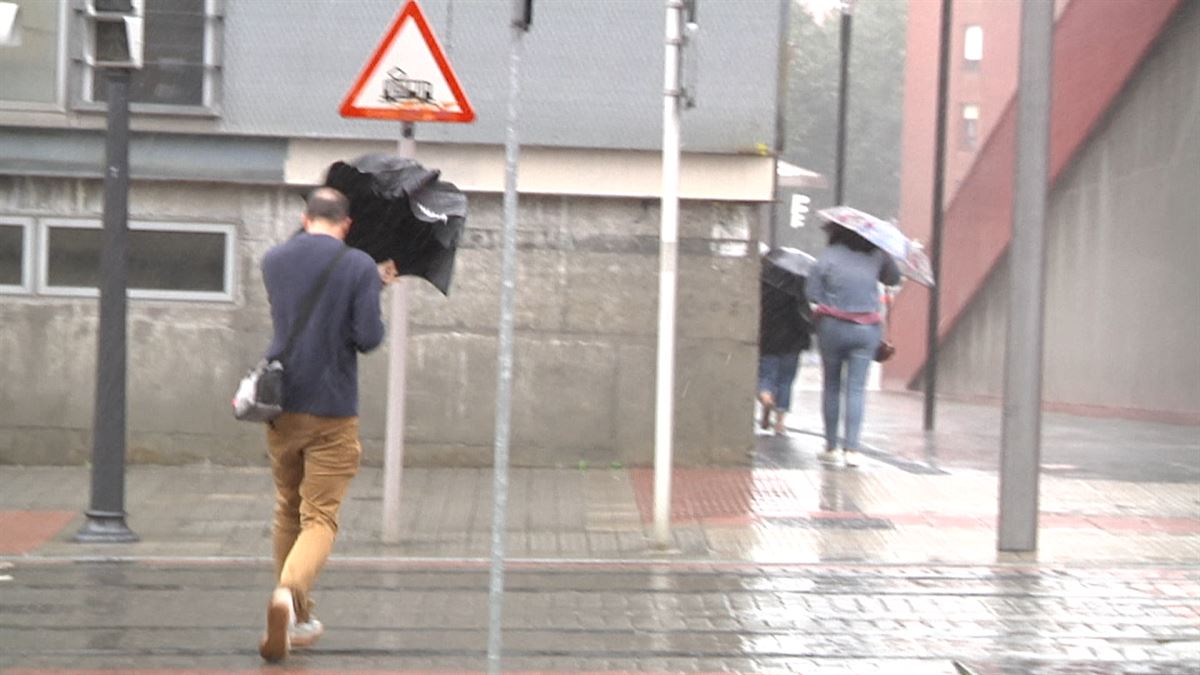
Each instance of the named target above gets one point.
<point>259,396</point>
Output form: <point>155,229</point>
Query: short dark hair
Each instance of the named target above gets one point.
<point>326,203</point>
<point>848,238</point>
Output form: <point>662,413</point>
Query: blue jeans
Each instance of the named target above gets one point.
<point>851,345</point>
<point>776,372</point>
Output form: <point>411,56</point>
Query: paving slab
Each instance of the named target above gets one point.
<point>409,616</point>
<point>781,565</point>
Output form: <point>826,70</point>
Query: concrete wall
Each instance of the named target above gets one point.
<point>1123,241</point>
<point>585,337</point>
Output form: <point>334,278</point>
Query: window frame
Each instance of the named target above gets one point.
<point>61,65</point>
<point>210,87</point>
<point>27,247</point>
<point>230,273</point>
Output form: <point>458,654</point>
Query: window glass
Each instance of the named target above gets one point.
<point>973,45</point>
<point>73,257</point>
<point>30,67</point>
<point>12,247</point>
<point>173,56</point>
<point>970,126</point>
<point>177,261</point>
<point>161,260</point>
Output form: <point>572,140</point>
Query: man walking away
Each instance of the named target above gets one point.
<point>313,445</point>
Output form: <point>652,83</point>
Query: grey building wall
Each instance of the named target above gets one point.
<point>585,337</point>
<point>1123,241</point>
<point>592,83</point>
<point>592,75</point>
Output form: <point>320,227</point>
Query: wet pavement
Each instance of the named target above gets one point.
<point>783,565</point>
<point>966,436</point>
<point>403,616</point>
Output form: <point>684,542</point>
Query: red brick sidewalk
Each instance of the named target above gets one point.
<point>732,497</point>
<point>25,531</point>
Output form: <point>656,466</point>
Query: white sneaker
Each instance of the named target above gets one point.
<point>830,456</point>
<point>305,634</point>
<point>281,616</point>
<point>852,458</point>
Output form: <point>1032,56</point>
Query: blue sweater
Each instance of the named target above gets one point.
<point>321,374</point>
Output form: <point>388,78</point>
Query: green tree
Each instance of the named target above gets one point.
<point>876,100</point>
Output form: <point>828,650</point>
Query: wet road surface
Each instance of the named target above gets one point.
<point>414,616</point>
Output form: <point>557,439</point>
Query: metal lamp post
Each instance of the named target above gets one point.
<point>114,48</point>
<point>839,182</point>
<point>935,248</point>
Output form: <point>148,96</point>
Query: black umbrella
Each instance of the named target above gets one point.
<point>791,260</point>
<point>786,269</point>
<point>401,211</point>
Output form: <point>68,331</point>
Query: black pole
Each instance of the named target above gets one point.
<point>106,514</point>
<point>935,246</point>
<point>839,183</point>
<point>781,101</point>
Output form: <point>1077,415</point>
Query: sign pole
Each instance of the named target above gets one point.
<point>668,263</point>
<point>397,84</point>
<point>521,18</point>
<point>393,449</point>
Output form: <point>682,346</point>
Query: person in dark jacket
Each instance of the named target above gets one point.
<point>783,332</point>
<point>314,446</point>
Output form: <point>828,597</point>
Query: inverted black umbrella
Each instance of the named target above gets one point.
<point>403,212</point>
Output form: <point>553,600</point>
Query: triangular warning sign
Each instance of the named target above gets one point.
<point>408,78</point>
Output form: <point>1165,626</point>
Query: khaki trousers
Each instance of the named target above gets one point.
<point>313,460</point>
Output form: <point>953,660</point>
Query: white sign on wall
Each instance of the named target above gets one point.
<point>799,209</point>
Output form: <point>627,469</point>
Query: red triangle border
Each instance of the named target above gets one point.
<point>465,114</point>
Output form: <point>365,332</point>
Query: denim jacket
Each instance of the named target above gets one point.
<point>848,280</point>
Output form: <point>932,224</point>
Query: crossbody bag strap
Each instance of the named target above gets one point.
<point>310,303</point>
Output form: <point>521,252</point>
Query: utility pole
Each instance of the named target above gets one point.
<point>935,248</point>
<point>1021,433</point>
<point>839,181</point>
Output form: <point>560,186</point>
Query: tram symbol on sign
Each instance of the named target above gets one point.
<point>400,88</point>
<point>408,77</point>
